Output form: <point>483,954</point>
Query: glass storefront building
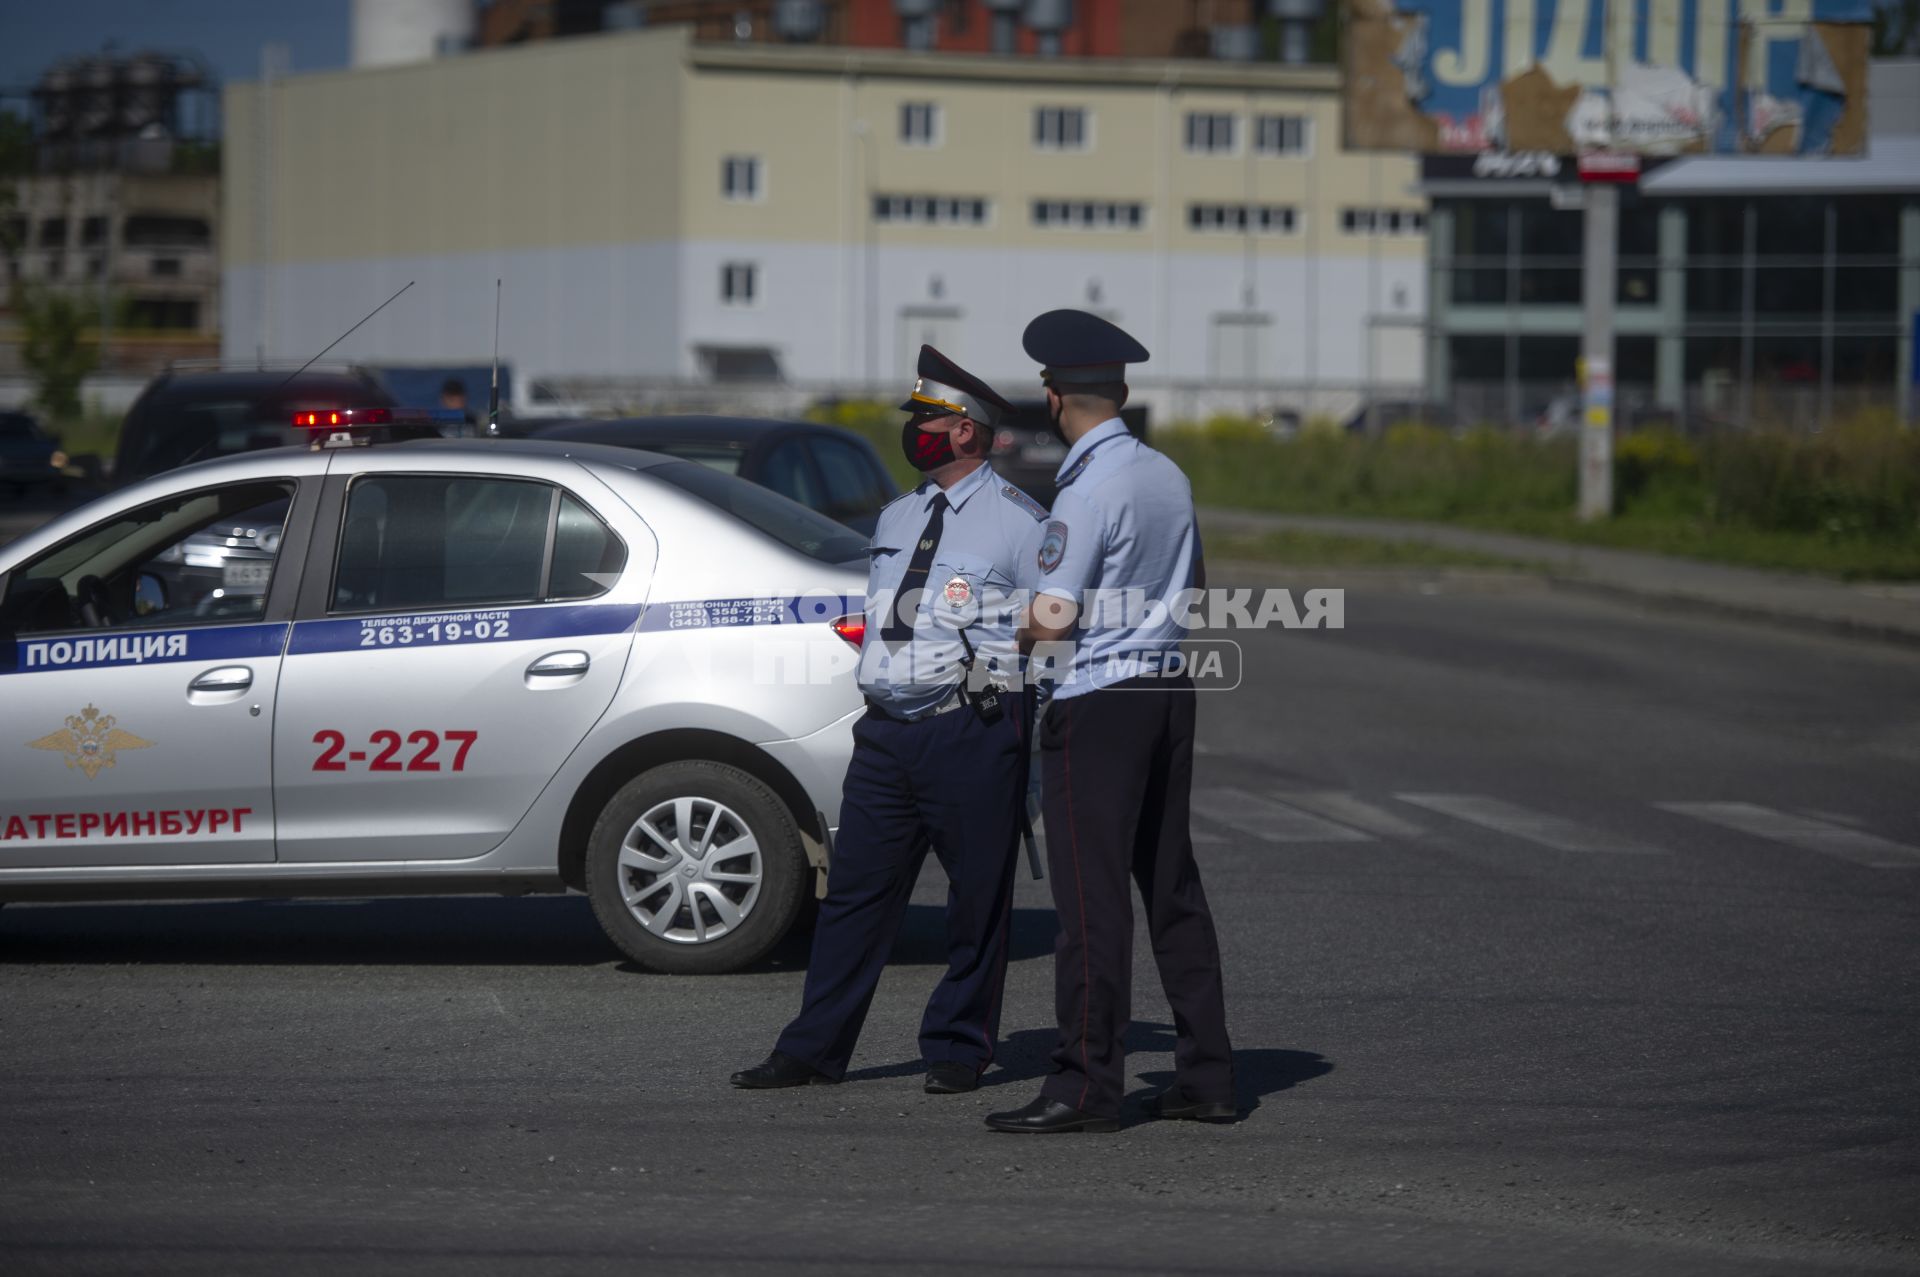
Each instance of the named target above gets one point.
<point>1750,291</point>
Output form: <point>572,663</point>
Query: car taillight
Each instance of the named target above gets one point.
<point>851,628</point>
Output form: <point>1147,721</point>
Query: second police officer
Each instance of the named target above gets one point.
<point>939,758</point>
<point>1116,747</point>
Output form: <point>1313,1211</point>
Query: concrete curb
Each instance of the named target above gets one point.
<point>1797,601</point>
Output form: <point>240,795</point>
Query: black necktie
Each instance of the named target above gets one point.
<point>899,628</point>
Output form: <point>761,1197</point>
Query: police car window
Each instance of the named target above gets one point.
<point>197,558</point>
<point>793,525</point>
<point>586,555</point>
<point>427,541</point>
<point>851,491</point>
<point>787,473</point>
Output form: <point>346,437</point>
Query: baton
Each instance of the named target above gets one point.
<point>1029,805</point>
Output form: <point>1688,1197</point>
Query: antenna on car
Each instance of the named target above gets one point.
<point>493,396</point>
<point>343,336</point>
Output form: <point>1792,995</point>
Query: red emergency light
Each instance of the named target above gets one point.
<point>851,628</point>
<point>342,418</point>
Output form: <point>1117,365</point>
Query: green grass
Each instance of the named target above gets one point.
<point>1289,547</point>
<point>94,432</point>
<point>1852,557</point>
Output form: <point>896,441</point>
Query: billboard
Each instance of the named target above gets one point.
<point>1650,77</point>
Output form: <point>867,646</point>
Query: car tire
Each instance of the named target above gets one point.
<point>663,886</point>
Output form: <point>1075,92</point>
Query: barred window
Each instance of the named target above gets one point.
<point>740,177</point>
<point>932,210</point>
<point>1092,215</point>
<point>1268,219</point>
<point>919,124</point>
<point>1210,132</point>
<point>1283,135</point>
<point>1060,128</point>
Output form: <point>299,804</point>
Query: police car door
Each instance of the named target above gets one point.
<point>138,665</point>
<point>459,635</point>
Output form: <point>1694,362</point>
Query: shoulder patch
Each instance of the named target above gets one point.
<point>1054,547</point>
<point>1024,501</point>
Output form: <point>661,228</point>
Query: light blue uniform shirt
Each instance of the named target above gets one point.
<point>1122,544</point>
<point>985,567</point>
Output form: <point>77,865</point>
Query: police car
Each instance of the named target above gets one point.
<point>467,665</point>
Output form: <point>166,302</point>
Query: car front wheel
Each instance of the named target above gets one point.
<point>695,868</point>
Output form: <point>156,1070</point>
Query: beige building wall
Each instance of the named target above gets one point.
<point>587,174</point>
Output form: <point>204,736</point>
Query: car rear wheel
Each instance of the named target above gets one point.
<point>695,869</point>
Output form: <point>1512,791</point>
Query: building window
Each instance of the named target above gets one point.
<point>1060,128</point>
<point>919,124</point>
<point>1210,132</point>
<point>932,210</point>
<point>163,267</point>
<point>740,178</point>
<point>1267,219</point>
<point>739,283</point>
<point>917,33</point>
<point>1090,215</point>
<point>1283,135</point>
<point>1382,221</point>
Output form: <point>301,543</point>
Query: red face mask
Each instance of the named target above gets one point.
<point>926,449</point>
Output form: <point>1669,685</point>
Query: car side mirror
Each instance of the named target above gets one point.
<point>149,595</point>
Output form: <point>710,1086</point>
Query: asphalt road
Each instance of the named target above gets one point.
<point>1497,1009</point>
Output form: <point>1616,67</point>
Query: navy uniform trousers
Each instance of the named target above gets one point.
<point>960,784</point>
<point>1116,771</point>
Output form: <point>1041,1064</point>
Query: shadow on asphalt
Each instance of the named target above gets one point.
<point>451,930</point>
<point>1025,1057</point>
<point>440,931</point>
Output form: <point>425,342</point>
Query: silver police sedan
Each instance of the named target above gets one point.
<point>460,666</point>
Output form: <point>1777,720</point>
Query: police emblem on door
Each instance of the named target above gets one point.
<point>91,741</point>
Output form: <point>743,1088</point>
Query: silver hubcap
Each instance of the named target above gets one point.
<point>690,870</point>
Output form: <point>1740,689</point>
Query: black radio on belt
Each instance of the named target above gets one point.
<point>985,700</point>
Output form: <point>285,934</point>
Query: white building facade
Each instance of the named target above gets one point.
<point>726,219</point>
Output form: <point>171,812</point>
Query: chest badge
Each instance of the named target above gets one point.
<point>90,741</point>
<point>958,592</point>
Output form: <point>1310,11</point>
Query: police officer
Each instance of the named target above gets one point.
<point>940,756</point>
<point>1116,747</point>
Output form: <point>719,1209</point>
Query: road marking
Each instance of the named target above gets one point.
<point>1270,821</point>
<point>1503,817</point>
<point>1348,810</point>
<point>1803,832</point>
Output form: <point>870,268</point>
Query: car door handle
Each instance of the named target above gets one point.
<point>226,678</point>
<point>560,665</point>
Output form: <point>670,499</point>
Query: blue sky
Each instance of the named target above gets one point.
<point>227,33</point>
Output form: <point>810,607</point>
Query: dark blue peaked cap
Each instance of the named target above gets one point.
<point>1075,348</point>
<point>945,387</point>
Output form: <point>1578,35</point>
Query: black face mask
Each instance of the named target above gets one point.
<point>926,449</point>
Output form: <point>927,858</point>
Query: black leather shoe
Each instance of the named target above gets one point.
<point>779,1070</point>
<point>1174,1103</point>
<point>948,1078</point>
<point>1050,1117</point>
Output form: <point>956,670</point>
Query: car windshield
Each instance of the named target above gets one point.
<point>788,522</point>
<point>184,430</point>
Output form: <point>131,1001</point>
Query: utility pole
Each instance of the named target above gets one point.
<point>1602,174</point>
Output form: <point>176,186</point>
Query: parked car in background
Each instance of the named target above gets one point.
<point>195,414</point>
<point>1027,452</point>
<point>825,468</point>
<point>1383,415</point>
<point>29,456</point>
